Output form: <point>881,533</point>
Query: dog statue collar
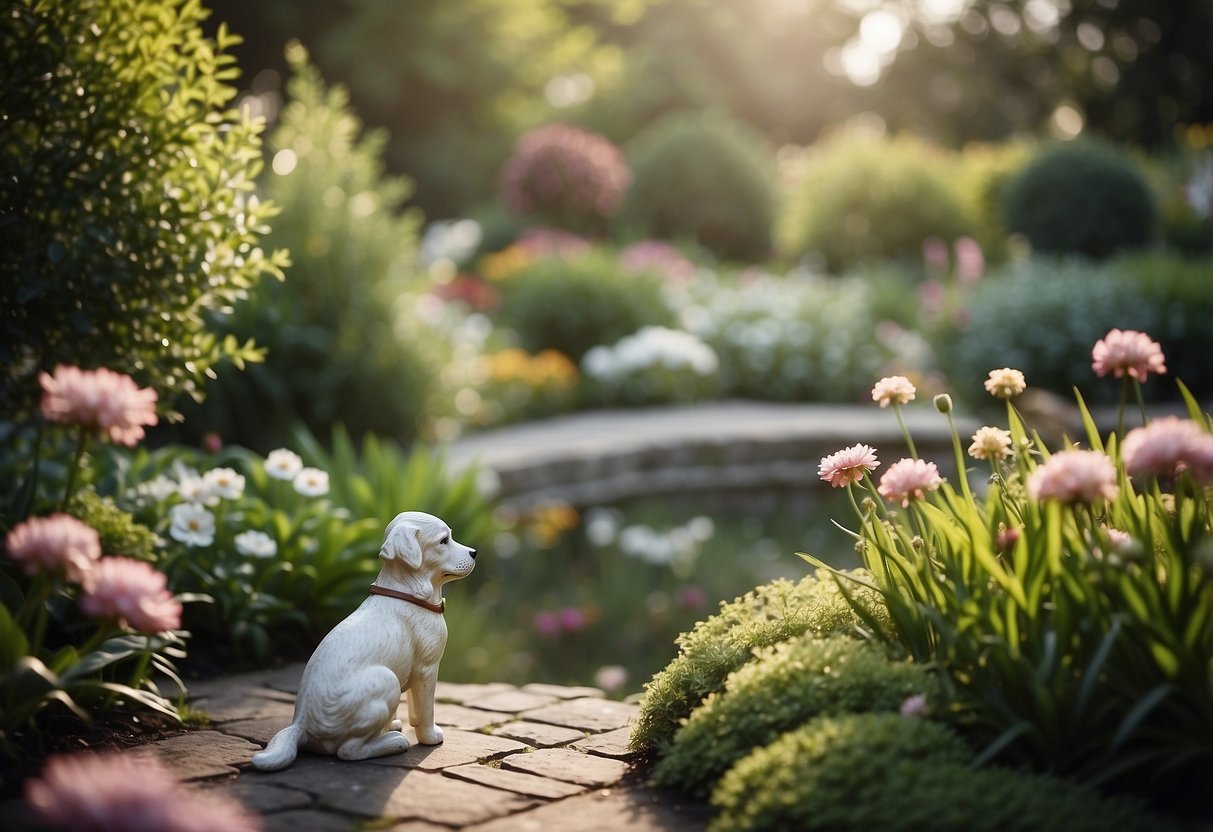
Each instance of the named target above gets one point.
<point>412,599</point>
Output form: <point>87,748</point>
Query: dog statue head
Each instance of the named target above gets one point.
<point>422,544</point>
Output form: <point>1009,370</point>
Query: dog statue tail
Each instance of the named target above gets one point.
<point>281,750</point>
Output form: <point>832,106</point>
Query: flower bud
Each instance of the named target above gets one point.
<point>868,505</point>
<point>943,403</point>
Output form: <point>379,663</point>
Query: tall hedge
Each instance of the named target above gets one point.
<point>126,193</point>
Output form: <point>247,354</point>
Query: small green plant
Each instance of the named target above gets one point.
<point>1070,603</point>
<point>782,688</point>
<point>888,772</point>
<point>705,179</point>
<point>1081,198</point>
<point>128,194</point>
<point>716,647</point>
<point>572,305</point>
<point>860,199</point>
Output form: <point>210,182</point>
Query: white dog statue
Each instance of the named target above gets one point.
<point>393,642</point>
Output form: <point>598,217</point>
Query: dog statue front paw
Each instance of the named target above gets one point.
<point>429,735</point>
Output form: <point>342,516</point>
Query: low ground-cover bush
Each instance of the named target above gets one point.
<point>782,688</point>
<point>577,303</point>
<point>1070,602</point>
<point>890,772</point>
<point>704,179</point>
<point>654,365</point>
<point>719,645</point>
<point>859,199</point>
<point>1080,198</point>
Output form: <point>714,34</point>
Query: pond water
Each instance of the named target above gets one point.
<point>598,596</point>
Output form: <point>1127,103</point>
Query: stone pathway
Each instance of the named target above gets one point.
<point>537,757</point>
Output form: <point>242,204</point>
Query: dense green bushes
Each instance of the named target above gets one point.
<point>126,191</point>
<point>343,345</point>
<point>1042,316</point>
<point>703,178</point>
<point>572,305</point>
<point>887,772</point>
<point>781,689</point>
<point>859,199</point>
<point>770,614</point>
<point>1081,198</point>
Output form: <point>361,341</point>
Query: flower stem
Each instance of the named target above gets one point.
<point>905,432</point>
<point>960,460</point>
<point>1124,400</point>
<point>1141,402</point>
<point>81,445</point>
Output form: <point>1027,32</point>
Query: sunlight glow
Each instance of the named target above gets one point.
<point>861,64</point>
<point>881,31</point>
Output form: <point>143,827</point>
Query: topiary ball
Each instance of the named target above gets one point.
<point>1081,198</point>
<point>566,176</point>
<point>703,178</point>
<point>863,772</point>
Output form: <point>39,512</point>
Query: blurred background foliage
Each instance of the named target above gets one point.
<point>455,82</point>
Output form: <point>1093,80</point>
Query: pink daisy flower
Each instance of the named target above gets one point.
<point>1166,447</point>
<point>116,792</point>
<point>848,465</point>
<point>1074,477</point>
<point>99,400</point>
<point>915,706</point>
<point>58,543</point>
<point>1127,353</point>
<point>893,390</point>
<point>131,593</point>
<point>909,479</point>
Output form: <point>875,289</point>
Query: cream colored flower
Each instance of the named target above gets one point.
<point>1005,383</point>
<point>283,464</point>
<point>312,482</point>
<point>893,390</point>
<point>225,483</point>
<point>192,524</point>
<point>990,443</point>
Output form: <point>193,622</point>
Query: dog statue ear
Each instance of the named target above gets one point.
<point>401,542</point>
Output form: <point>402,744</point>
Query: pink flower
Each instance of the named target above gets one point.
<point>611,677</point>
<point>565,173</point>
<point>893,390</point>
<point>1168,446</point>
<point>658,256</point>
<point>935,254</point>
<point>132,792</point>
<point>848,465</point>
<point>915,706</point>
<point>692,597</point>
<point>540,243</point>
<point>571,620</point>
<point>131,593</point>
<point>1127,353</point>
<point>99,400</point>
<point>1074,476</point>
<point>1005,383</point>
<point>970,262</point>
<point>909,479</point>
<point>546,624</point>
<point>59,543</point>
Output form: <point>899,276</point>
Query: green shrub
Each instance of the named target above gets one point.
<point>786,338</point>
<point>1081,198</point>
<point>719,645</point>
<point>127,194</point>
<point>887,772</point>
<point>341,348</point>
<point>783,688</point>
<point>860,199</point>
<point>572,305</point>
<point>1042,316</point>
<point>120,533</point>
<point>703,178</point>
<point>985,170</point>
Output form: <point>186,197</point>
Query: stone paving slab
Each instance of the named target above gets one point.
<point>514,758</point>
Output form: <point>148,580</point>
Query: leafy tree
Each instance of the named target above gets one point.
<point>126,194</point>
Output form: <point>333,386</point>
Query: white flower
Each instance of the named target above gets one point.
<point>256,544</point>
<point>312,482</point>
<point>225,483</point>
<point>195,489</point>
<point>158,489</point>
<point>192,524</point>
<point>611,677</point>
<point>283,464</point>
